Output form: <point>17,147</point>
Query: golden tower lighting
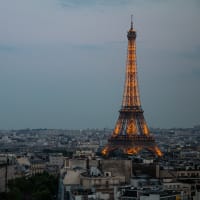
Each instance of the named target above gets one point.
<point>131,133</point>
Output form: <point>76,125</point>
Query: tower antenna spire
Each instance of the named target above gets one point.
<point>131,21</point>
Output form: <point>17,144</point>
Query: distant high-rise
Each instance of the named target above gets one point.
<point>131,133</point>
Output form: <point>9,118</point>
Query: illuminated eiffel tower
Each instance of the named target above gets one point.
<point>131,133</point>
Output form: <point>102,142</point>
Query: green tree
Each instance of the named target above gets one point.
<point>15,193</point>
<point>41,186</point>
<point>41,195</point>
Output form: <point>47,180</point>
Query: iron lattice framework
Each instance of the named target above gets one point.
<point>131,133</point>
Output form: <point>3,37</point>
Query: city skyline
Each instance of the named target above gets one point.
<point>62,62</point>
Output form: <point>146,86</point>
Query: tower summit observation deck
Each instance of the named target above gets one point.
<point>131,133</point>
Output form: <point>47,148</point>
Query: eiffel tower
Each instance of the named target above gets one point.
<point>131,133</point>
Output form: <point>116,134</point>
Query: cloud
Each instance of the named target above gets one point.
<point>6,48</point>
<point>86,3</point>
<point>193,54</point>
<point>81,3</point>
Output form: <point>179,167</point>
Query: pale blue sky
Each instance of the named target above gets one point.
<point>62,62</point>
